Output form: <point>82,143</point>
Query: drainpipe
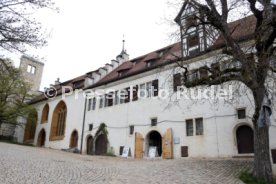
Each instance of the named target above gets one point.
<point>84,114</point>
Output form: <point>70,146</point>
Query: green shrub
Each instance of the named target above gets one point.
<point>248,178</point>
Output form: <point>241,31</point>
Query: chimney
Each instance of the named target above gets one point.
<point>57,82</point>
<point>109,67</point>
<point>115,63</point>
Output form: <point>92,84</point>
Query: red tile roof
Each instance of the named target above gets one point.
<point>242,29</point>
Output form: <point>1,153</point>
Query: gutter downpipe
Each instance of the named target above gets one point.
<point>84,114</point>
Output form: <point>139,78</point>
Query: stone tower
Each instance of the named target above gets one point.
<point>31,70</point>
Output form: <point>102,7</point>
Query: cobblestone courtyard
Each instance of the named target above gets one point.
<point>22,164</point>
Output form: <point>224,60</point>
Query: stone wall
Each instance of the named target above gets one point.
<point>7,130</point>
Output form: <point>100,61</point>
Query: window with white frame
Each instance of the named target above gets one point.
<point>199,130</point>
<point>89,104</point>
<point>142,91</point>
<point>101,101</point>
<point>31,69</point>
<point>148,88</point>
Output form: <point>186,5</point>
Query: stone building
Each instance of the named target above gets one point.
<point>31,70</point>
<point>154,113</point>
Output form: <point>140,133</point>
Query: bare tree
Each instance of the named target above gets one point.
<point>254,65</point>
<point>18,28</point>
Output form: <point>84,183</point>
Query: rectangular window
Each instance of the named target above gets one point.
<point>90,127</point>
<point>89,104</point>
<point>241,113</point>
<point>101,102</point>
<point>116,99</point>
<point>33,70</point>
<point>199,126</point>
<point>189,127</point>
<point>176,81</point>
<point>193,41</point>
<point>134,93</point>
<point>154,122</point>
<point>193,75</point>
<point>105,100</point>
<point>149,89</point>
<point>110,97</point>
<point>155,87</point>
<point>94,103</point>
<point>127,95</point>
<point>122,96</point>
<point>29,68</point>
<point>131,129</point>
<point>142,91</point>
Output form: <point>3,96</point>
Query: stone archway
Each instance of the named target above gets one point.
<point>41,138</point>
<point>74,139</point>
<point>30,127</point>
<point>154,138</point>
<point>89,145</point>
<point>101,145</point>
<point>245,139</point>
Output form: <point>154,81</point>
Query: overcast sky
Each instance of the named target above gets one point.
<point>87,34</point>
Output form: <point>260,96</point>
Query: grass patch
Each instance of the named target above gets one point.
<point>248,178</point>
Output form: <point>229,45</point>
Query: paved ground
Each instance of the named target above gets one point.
<point>30,165</point>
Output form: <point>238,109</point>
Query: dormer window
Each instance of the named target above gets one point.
<point>151,63</point>
<point>193,44</point>
<point>122,73</point>
<point>78,84</point>
<point>191,21</point>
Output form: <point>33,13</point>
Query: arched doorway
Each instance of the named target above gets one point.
<point>101,145</point>
<point>155,139</point>
<point>74,139</point>
<point>89,145</point>
<point>245,139</point>
<point>30,127</point>
<point>41,138</point>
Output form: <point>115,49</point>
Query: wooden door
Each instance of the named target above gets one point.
<point>41,138</point>
<point>245,139</point>
<point>139,141</point>
<point>101,145</point>
<point>74,139</point>
<point>89,145</point>
<point>167,144</point>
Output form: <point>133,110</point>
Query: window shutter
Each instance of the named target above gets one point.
<point>155,87</point>
<point>176,81</point>
<point>134,93</point>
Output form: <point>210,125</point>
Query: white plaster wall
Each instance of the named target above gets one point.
<point>219,119</point>
<point>74,120</point>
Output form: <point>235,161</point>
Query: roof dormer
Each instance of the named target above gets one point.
<point>195,36</point>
